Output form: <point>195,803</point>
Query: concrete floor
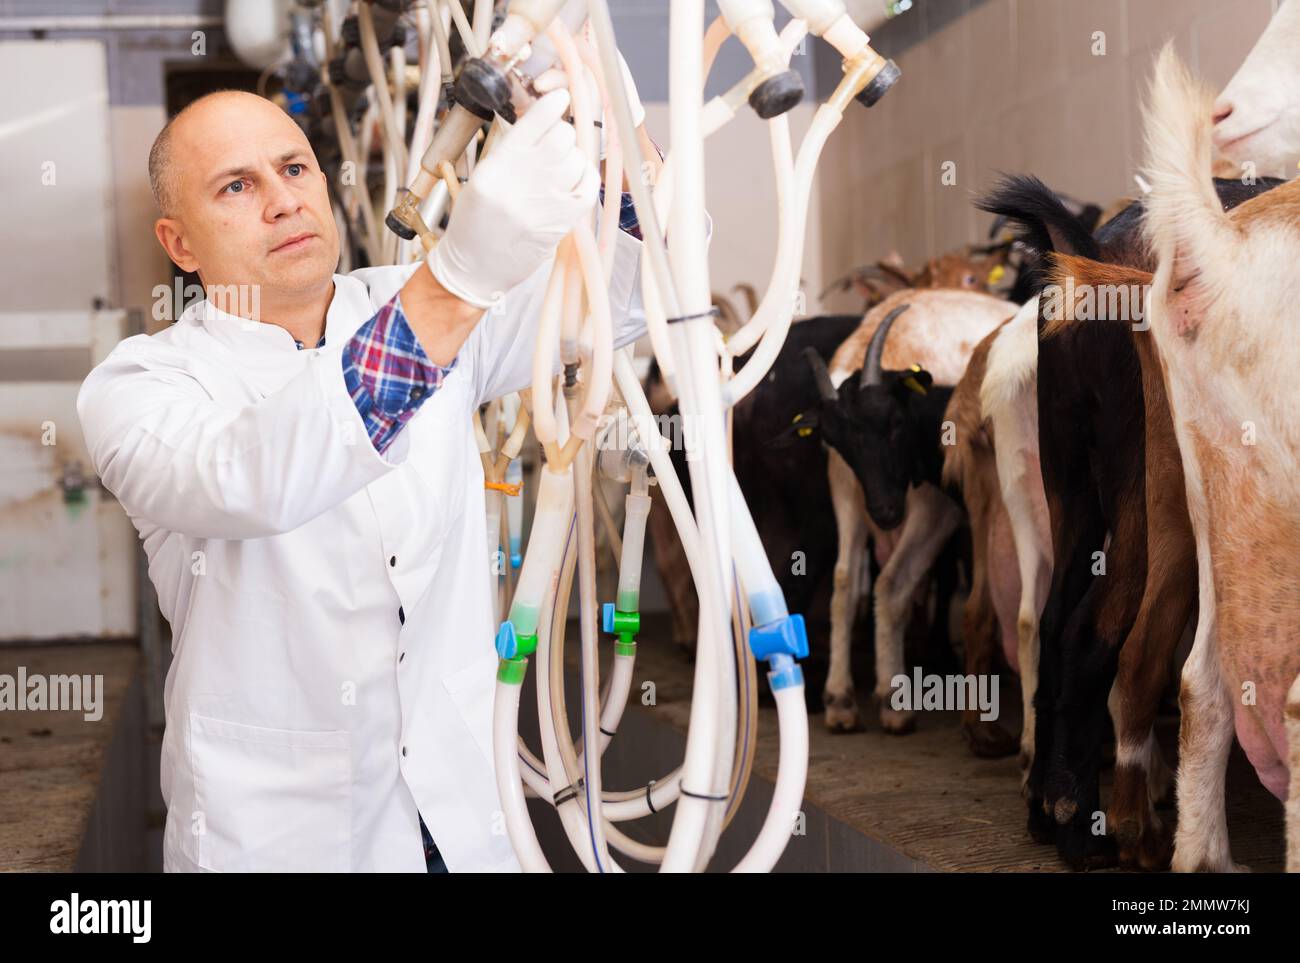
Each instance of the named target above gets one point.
<point>876,802</point>
<point>78,795</point>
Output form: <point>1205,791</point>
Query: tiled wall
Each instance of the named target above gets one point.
<point>1012,85</point>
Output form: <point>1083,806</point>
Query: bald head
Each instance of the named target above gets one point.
<point>184,133</point>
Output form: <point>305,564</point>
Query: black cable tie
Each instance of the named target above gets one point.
<point>605,732</point>
<point>712,312</point>
<point>648,801</point>
<point>700,795</point>
<point>564,795</point>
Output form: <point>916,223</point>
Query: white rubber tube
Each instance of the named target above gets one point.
<point>761,587</point>
<point>791,776</point>
<point>692,838</point>
<point>505,729</point>
<point>590,658</point>
<point>636,511</point>
<point>545,545</point>
<point>570,813</point>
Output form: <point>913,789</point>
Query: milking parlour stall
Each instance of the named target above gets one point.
<point>634,436</point>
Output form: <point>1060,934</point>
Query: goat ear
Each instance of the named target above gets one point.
<point>866,288</point>
<point>805,424</point>
<point>893,259</point>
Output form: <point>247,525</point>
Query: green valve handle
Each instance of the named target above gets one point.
<point>625,625</point>
<point>509,645</point>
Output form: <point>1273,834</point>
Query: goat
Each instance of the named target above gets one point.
<point>884,469</point>
<point>1009,402</point>
<point>970,466</point>
<point>995,464</point>
<point>967,270</point>
<point>1257,117</point>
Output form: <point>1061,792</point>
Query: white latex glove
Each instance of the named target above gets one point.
<point>522,199</point>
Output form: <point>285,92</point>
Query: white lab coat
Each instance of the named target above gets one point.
<point>306,725</point>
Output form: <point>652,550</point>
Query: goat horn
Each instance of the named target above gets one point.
<point>820,375</point>
<point>873,372</point>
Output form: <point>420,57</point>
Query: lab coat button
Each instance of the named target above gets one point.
<point>401,615</point>
<point>403,750</point>
<point>392,562</point>
<point>401,657</point>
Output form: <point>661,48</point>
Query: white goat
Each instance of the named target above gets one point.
<point>1257,117</point>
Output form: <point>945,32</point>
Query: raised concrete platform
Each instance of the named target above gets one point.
<point>72,791</point>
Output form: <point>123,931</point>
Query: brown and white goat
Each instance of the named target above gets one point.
<point>965,270</point>
<point>989,615</point>
<point>1220,308</point>
<point>995,461</point>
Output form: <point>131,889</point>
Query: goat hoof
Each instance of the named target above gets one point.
<point>1081,849</point>
<point>897,722</point>
<point>841,712</point>
<point>1064,810</point>
<point>988,740</point>
<point>1061,794</point>
<point>1144,841</point>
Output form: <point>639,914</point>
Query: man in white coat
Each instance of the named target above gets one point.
<point>298,457</point>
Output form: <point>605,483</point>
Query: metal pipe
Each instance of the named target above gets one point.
<point>112,22</point>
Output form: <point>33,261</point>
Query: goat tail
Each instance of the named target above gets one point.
<point>1185,223</point>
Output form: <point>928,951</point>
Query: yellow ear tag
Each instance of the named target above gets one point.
<point>912,383</point>
<point>804,432</point>
<point>997,274</point>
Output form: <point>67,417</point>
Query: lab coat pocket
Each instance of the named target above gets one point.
<point>473,690</point>
<point>272,800</point>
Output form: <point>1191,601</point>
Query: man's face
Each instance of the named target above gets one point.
<point>252,205</point>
